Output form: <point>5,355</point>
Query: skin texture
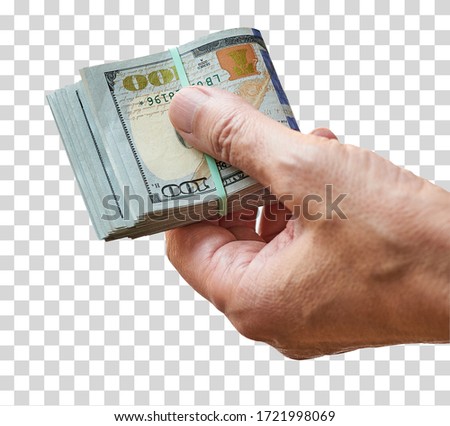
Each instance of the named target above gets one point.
<point>315,287</point>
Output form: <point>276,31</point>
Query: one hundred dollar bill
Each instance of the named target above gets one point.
<point>136,174</point>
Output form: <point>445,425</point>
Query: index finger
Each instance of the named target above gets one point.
<point>213,259</point>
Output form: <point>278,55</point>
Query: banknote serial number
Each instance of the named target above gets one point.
<point>209,81</point>
<point>162,98</point>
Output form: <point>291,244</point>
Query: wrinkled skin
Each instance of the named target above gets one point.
<point>315,287</point>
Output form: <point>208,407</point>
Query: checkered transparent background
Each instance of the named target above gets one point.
<point>88,322</point>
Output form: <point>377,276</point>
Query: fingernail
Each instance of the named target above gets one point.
<point>183,107</point>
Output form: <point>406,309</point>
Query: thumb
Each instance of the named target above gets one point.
<point>228,128</point>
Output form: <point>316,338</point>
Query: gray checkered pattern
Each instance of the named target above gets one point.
<point>84,322</point>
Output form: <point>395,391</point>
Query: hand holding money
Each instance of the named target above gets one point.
<point>365,262</point>
<point>136,174</point>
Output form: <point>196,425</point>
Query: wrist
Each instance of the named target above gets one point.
<point>431,277</point>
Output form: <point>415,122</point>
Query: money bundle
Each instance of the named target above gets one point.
<point>135,173</point>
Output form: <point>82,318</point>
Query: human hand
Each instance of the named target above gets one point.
<point>380,276</point>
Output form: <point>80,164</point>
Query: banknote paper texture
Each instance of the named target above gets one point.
<point>136,174</point>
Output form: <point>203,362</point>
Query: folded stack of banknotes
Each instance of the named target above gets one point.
<point>135,173</point>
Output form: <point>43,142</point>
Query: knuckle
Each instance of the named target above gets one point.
<point>249,329</point>
<point>228,131</point>
<point>171,246</point>
<point>334,143</point>
<point>295,167</point>
<point>170,252</point>
<point>302,352</point>
<point>253,325</point>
